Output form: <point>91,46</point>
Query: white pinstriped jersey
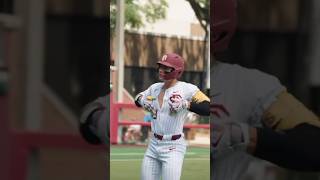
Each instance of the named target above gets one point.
<point>246,94</point>
<point>166,122</point>
<point>164,158</point>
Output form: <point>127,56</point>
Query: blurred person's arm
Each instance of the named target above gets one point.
<point>290,139</point>
<point>297,148</point>
<point>281,130</point>
<point>94,124</point>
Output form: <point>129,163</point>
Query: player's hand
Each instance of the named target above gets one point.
<point>176,103</point>
<point>147,102</point>
<point>227,137</point>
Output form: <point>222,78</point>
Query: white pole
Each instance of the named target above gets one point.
<point>208,59</point>
<point>120,49</point>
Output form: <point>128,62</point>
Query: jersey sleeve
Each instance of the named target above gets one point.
<point>264,89</point>
<point>196,95</point>
<point>148,92</point>
<point>144,94</point>
<point>191,91</point>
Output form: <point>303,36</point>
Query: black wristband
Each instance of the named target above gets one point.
<point>202,108</point>
<point>136,101</point>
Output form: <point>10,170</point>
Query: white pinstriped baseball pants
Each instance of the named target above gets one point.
<point>163,158</point>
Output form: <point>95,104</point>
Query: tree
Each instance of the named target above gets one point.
<point>201,10</point>
<point>155,10</point>
<point>136,14</point>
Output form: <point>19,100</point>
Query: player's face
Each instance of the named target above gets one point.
<point>163,70</point>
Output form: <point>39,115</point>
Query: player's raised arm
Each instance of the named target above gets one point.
<point>291,139</point>
<point>138,100</point>
<point>146,101</point>
<point>200,104</point>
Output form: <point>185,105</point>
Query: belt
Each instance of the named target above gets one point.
<point>173,137</point>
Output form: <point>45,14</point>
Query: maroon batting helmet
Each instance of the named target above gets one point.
<point>224,23</point>
<point>175,62</point>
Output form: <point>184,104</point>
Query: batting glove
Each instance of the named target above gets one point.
<point>176,103</point>
<point>228,137</point>
<point>147,103</point>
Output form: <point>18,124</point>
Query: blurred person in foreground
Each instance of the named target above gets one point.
<point>253,114</point>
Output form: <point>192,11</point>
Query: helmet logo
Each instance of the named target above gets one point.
<point>164,57</point>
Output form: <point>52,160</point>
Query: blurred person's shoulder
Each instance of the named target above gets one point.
<point>227,68</point>
<point>251,84</point>
<point>244,74</point>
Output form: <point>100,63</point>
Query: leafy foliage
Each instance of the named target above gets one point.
<point>137,14</point>
<point>201,9</point>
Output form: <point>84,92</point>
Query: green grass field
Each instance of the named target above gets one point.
<point>125,163</point>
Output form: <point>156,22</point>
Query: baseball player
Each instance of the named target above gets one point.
<point>169,102</point>
<point>253,114</point>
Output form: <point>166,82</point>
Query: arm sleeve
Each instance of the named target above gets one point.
<point>200,104</point>
<point>137,100</point>
<point>201,108</point>
<point>296,149</point>
<point>287,112</point>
